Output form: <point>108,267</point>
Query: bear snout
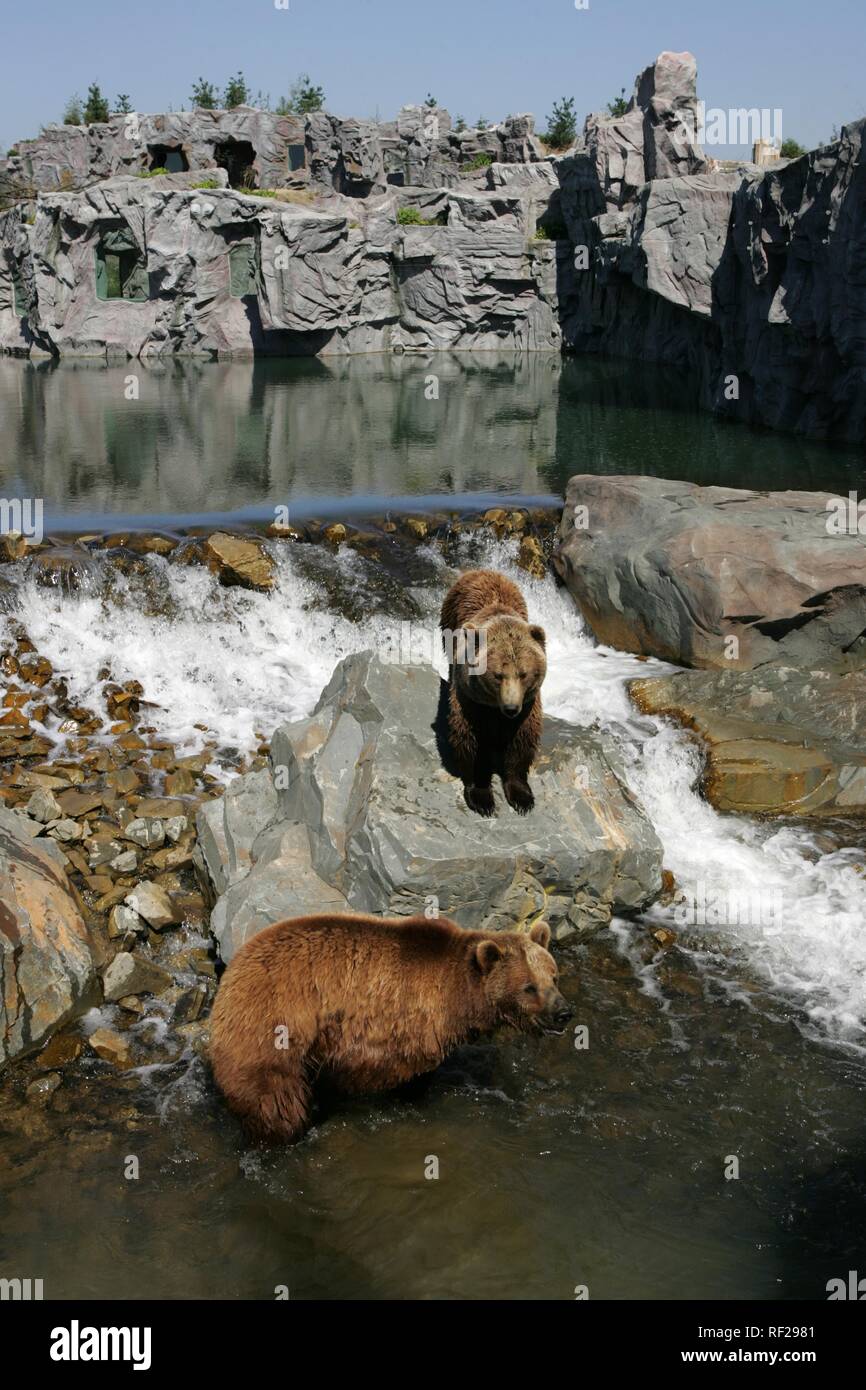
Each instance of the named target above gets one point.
<point>558,1011</point>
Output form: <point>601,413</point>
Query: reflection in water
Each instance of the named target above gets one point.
<point>244,437</point>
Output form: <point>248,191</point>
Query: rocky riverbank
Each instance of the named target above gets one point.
<point>132,862</point>
<point>101,897</point>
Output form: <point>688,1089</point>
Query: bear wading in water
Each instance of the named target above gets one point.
<point>496,662</point>
<point>365,1004</point>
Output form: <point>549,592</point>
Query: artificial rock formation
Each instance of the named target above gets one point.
<point>712,576</point>
<point>778,741</point>
<point>632,244</point>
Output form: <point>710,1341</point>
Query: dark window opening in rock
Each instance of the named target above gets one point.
<point>358,188</point>
<point>121,269</point>
<point>168,157</point>
<point>398,178</point>
<point>19,298</point>
<point>297,158</point>
<point>237,157</point>
<point>243,270</point>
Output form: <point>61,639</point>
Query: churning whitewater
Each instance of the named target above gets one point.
<point>761,896</point>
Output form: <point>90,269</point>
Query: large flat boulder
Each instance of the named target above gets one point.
<point>779,741</point>
<point>711,576</point>
<point>368,820</point>
<point>47,972</point>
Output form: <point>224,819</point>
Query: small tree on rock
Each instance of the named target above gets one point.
<point>123,104</point>
<point>619,105</point>
<point>97,107</point>
<point>792,149</point>
<point>236,93</point>
<point>562,125</point>
<point>304,96</point>
<point>73,112</point>
<point>204,95</point>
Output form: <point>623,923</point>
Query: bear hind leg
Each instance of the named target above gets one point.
<point>273,1102</point>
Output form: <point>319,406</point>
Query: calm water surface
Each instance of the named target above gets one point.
<point>235,440</point>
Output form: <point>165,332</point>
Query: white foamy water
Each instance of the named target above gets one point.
<point>241,663</point>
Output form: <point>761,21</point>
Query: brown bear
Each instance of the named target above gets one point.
<point>497,662</point>
<point>365,1004</point>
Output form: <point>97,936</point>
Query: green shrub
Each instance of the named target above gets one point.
<point>411,217</point>
<point>791,149</point>
<point>152,173</point>
<point>481,161</point>
<point>206,183</point>
<point>619,105</point>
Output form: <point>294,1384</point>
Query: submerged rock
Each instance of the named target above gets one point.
<point>356,813</point>
<point>47,971</point>
<point>711,576</point>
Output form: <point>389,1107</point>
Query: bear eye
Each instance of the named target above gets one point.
<point>522,676</point>
<point>500,676</point>
<point>530,989</point>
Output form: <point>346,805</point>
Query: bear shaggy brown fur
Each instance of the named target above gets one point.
<point>366,1003</point>
<point>497,662</point>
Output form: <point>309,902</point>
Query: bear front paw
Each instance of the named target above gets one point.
<point>519,797</point>
<point>480,799</point>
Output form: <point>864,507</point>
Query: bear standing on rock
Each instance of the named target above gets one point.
<point>366,1003</point>
<point>497,662</point>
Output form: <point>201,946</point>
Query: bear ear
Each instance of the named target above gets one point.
<point>540,934</point>
<point>538,635</point>
<point>486,954</point>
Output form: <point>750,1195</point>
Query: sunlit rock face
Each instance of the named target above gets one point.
<point>47,973</point>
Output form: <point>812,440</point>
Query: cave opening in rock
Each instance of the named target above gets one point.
<point>121,268</point>
<point>168,157</point>
<point>237,157</point>
<point>297,158</point>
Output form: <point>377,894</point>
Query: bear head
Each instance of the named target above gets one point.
<point>520,980</point>
<point>501,663</point>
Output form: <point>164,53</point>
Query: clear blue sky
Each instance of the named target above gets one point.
<point>478,57</point>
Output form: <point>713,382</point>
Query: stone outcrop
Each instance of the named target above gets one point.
<point>765,264</point>
<point>260,149</point>
<point>779,741</point>
<point>219,272</point>
<point>357,813</point>
<point>713,577</point>
<point>47,972</point>
<point>632,244</point>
